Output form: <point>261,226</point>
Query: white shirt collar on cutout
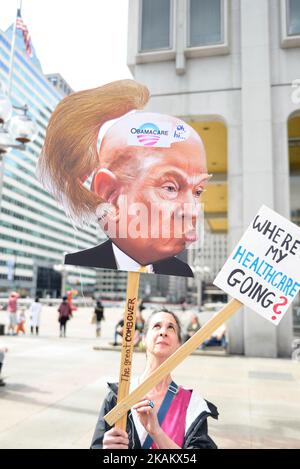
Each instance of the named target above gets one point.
<point>125,262</point>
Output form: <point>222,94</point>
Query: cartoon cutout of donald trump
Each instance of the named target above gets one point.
<point>147,178</point>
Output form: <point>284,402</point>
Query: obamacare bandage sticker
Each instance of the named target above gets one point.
<point>159,135</point>
<point>263,270</point>
<point>149,134</point>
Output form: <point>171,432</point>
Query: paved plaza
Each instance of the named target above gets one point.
<point>55,386</point>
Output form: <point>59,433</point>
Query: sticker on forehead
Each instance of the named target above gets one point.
<point>180,133</point>
<point>149,134</point>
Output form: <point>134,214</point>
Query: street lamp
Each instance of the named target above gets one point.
<point>15,131</point>
<point>5,106</point>
<point>63,270</point>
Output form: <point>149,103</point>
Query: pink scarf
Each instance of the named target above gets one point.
<point>174,422</point>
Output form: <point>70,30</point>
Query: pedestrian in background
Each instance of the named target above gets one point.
<point>21,322</point>
<point>192,328</point>
<point>141,306</point>
<point>65,313</point>
<point>217,339</point>
<point>12,307</point>
<point>118,331</point>
<point>99,316</point>
<point>34,311</point>
<point>139,327</point>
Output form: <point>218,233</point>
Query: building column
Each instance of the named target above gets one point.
<point>235,326</point>
<point>1,178</point>
<point>282,206</point>
<point>260,336</point>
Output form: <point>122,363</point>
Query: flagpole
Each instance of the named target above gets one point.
<point>12,53</point>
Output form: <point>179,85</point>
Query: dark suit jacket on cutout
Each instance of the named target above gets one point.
<point>103,256</point>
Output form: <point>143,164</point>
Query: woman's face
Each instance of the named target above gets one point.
<point>162,335</point>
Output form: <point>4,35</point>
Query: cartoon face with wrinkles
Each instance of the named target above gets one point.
<point>152,192</point>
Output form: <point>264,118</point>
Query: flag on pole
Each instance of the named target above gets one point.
<point>26,36</point>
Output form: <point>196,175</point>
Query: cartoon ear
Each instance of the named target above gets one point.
<point>106,185</point>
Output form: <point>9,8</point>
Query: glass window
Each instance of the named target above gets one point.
<point>205,23</point>
<point>293,17</point>
<point>155,24</point>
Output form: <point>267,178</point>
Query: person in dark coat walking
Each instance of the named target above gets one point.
<point>99,316</point>
<point>65,313</point>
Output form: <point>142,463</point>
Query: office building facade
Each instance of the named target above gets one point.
<point>34,232</point>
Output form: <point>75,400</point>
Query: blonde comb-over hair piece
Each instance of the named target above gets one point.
<point>69,155</point>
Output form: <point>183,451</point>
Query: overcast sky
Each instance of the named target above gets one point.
<point>83,40</point>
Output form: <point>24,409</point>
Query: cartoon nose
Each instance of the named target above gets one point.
<point>189,206</point>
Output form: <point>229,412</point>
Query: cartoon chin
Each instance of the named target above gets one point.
<point>171,248</point>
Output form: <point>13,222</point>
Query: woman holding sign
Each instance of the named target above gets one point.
<point>170,416</point>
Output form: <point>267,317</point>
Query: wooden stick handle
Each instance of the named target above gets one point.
<point>174,360</point>
<point>133,280</point>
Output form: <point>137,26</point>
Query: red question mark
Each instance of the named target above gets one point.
<point>276,306</point>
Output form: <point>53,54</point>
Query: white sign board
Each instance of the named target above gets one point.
<point>263,270</point>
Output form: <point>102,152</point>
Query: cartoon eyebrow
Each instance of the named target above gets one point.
<point>177,173</point>
<point>172,175</point>
<point>204,177</point>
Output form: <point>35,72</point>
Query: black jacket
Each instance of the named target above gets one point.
<point>103,256</point>
<point>196,435</point>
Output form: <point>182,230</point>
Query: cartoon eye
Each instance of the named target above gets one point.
<point>169,188</point>
<point>198,192</point>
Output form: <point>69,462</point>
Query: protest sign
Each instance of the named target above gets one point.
<point>263,270</point>
<point>127,341</point>
<point>172,362</point>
